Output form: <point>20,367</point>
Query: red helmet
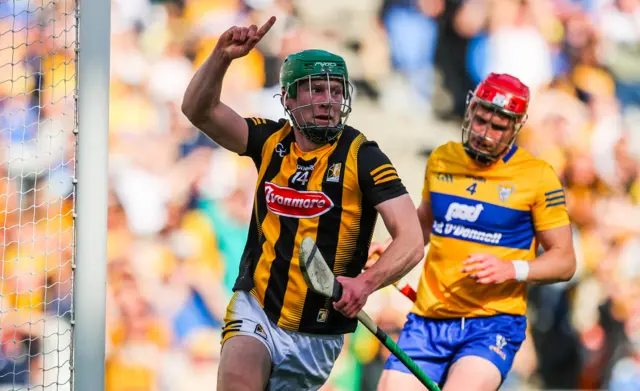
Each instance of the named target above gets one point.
<point>496,111</point>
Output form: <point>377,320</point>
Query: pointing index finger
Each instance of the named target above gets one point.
<point>266,27</point>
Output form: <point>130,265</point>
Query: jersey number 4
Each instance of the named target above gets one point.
<point>472,189</point>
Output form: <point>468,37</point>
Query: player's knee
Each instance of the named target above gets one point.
<point>230,378</point>
<point>473,373</point>
<point>383,382</point>
<point>396,380</point>
<point>236,377</point>
<point>245,365</point>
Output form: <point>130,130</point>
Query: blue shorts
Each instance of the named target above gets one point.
<point>435,344</point>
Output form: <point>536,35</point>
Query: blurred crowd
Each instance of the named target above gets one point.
<point>179,206</point>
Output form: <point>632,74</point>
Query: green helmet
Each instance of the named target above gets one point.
<point>310,65</point>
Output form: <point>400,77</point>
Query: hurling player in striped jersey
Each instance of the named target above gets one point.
<point>318,178</point>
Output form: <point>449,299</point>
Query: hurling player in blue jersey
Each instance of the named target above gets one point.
<point>486,207</point>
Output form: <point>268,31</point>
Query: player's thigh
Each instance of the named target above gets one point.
<point>392,380</point>
<point>308,362</point>
<point>473,373</point>
<point>486,355</point>
<point>247,346</point>
<point>245,365</point>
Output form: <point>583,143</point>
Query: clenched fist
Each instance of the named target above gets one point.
<point>238,41</point>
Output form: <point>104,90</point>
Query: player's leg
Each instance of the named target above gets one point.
<point>426,342</point>
<point>473,373</point>
<point>248,350</point>
<point>397,380</point>
<point>245,365</point>
<point>307,363</point>
<point>486,354</point>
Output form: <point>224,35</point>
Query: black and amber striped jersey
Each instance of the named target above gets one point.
<point>328,194</point>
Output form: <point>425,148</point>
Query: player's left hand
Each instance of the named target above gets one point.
<point>354,296</point>
<point>488,269</point>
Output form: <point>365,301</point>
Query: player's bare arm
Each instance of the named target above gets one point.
<point>403,254</point>
<point>425,216</point>
<point>557,263</point>
<point>407,247</point>
<point>201,103</point>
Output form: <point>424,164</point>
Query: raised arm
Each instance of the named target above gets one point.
<point>201,103</point>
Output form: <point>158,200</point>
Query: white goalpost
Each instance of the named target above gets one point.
<point>54,117</point>
<point>91,232</point>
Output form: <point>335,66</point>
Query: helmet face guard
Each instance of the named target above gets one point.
<point>320,116</point>
<point>316,119</point>
<point>495,113</point>
<point>481,144</point>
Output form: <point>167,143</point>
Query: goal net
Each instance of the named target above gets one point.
<point>38,123</point>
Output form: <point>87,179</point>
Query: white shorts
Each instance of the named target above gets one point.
<point>299,361</point>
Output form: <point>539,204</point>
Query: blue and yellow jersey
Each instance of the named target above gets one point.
<point>495,210</point>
